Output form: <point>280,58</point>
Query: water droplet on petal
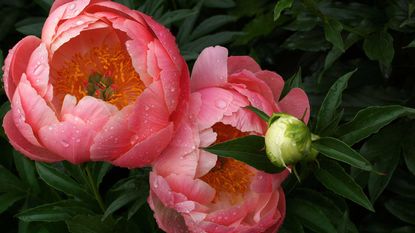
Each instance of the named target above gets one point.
<point>79,22</point>
<point>220,104</point>
<point>64,143</point>
<point>134,139</point>
<point>172,89</point>
<point>72,6</point>
<point>146,108</point>
<point>38,69</point>
<point>78,140</point>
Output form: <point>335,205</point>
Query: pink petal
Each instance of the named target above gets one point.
<point>296,103</point>
<point>114,138</point>
<point>94,112</point>
<point>16,62</point>
<point>258,99</point>
<point>70,139</point>
<point>195,190</point>
<point>30,111</point>
<point>239,63</point>
<point>146,151</point>
<point>38,70</point>
<point>150,112</point>
<point>59,13</point>
<point>273,80</point>
<point>24,146</point>
<point>210,68</point>
<point>262,183</point>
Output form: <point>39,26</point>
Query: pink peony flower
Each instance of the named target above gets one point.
<point>196,191</point>
<point>103,83</point>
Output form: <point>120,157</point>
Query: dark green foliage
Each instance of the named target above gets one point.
<point>366,116</point>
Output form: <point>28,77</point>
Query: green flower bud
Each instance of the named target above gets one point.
<point>288,140</point>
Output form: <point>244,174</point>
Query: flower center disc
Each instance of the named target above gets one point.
<point>229,175</point>
<point>104,72</point>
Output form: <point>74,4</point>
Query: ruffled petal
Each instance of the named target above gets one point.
<point>38,70</point>
<point>274,82</point>
<point>16,62</point>
<point>24,146</point>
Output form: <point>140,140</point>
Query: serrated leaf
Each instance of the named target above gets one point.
<point>259,113</point>
<point>210,24</point>
<point>332,102</point>
<point>27,172</point>
<point>61,181</point>
<point>379,46</point>
<point>338,150</point>
<point>293,82</point>
<point>53,212</point>
<point>89,224</point>
<point>310,216</point>
<point>332,32</point>
<point>249,149</point>
<point>280,7</point>
<point>8,199</point>
<point>402,208</point>
<point>334,178</point>
<point>370,120</point>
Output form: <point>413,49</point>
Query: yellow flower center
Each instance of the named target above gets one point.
<point>229,175</point>
<point>103,72</point>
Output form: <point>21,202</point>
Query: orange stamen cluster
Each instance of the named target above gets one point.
<point>113,62</point>
<point>229,175</point>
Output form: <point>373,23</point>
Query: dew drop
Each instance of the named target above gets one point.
<point>79,22</point>
<point>146,108</point>
<point>156,185</point>
<point>64,143</point>
<point>172,89</point>
<point>72,6</point>
<point>134,139</point>
<point>38,69</point>
<point>220,104</point>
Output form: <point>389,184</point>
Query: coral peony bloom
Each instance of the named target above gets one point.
<point>103,83</point>
<point>196,191</point>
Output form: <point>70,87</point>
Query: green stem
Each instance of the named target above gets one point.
<point>94,189</point>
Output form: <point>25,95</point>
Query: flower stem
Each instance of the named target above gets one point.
<point>94,189</point>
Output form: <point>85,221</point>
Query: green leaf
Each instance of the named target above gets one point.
<point>121,201</point>
<point>45,4</point>
<point>293,82</point>
<point>1,64</point>
<point>5,107</point>
<point>338,150</point>
<point>176,15</point>
<point>332,102</point>
<point>334,178</point>
<point>211,24</point>
<point>219,38</point>
<point>27,172</point>
<point>402,208</point>
<point>99,170</point>
<point>310,215</point>
<point>332,32</point>
<point>249,149</point>
<point>31,26</point>
<point>312,41</point>
<point>61,181</point>
<point>259,113</point>
<point>384,150</point>
<point>411,45</point>
<point>409,149</point>
<point>370,120</point>
<point>8,199</point>
<point>406,229</point>
<point>137,205</point>
<point>291,225</point>
<point>89,224</point>
<point>9,182</point>
<point>379,46</point>
<point>9,16</point>
<point>281,6</point>
<point>53,212</point>
<point>219,4</point>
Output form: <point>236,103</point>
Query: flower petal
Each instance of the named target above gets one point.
<point>16,62</point>
<point>273,80</point>
<point>237,64</point>
<point>210,68</point>
<point>38,70</point>
<point>296,103</point>
<point>24,146</point>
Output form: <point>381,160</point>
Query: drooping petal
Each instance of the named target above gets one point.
<point>16,62</point>
<point>296,103</point>
<point>273,80</point>
<point>210,68</point>
<point>24,146</point>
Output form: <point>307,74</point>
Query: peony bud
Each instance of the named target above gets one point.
<point>288,140</point>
